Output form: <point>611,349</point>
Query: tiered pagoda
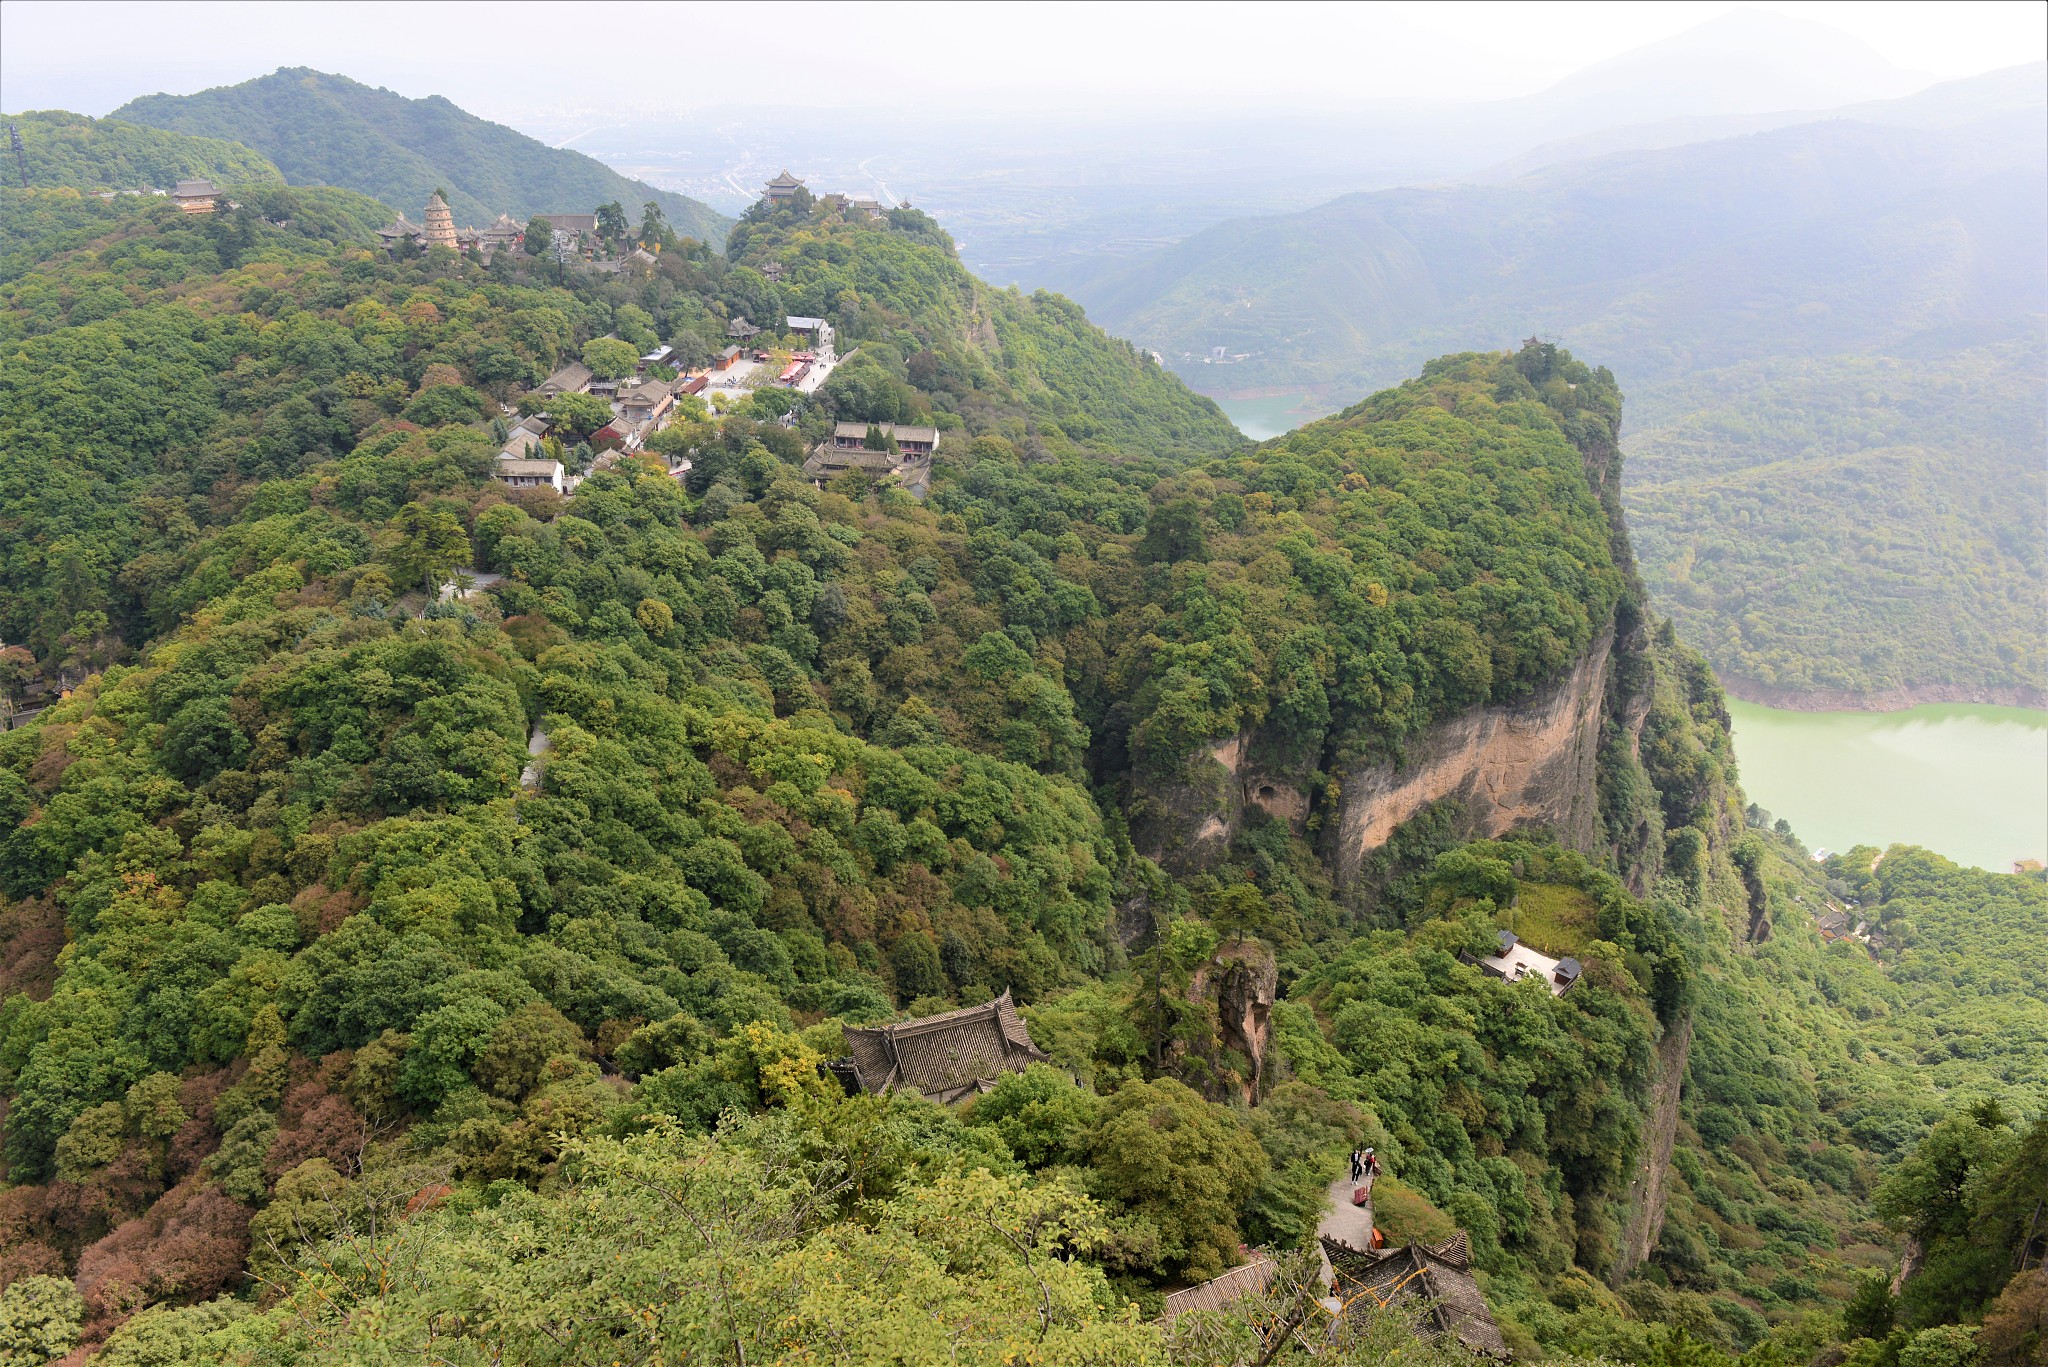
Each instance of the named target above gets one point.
<point>440,228</point>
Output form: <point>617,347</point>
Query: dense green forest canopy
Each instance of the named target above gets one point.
<point>969,349</point>
<point>321,129</point>
<point>70,150</point>
<point>1860,524</point>
<point>382,967</point>
<point>1834,374</point>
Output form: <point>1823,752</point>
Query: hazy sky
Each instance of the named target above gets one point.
<point>515,61</point>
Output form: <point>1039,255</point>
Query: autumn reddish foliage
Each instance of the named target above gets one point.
<point>28,1241</point>
<point>31,934</point>
<point>189,1246</point>
<point>197,1137</point>
<point>321,911</point>
<point>49,765</point>
<point>428,1197</point>
<point>315,1123</point>
<point>2015,1330</point>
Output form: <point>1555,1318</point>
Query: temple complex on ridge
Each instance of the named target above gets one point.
<point>439,230</point>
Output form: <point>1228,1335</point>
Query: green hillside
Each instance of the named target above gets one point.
<point>1700,269</point>
<point>1859,524</point>
<point>71,150</point>
<point>337,1025</point>
<point>329,130</point>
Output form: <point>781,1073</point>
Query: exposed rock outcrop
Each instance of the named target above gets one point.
<point>1646,1195</point>
<point>1243,981</point>
<point>1531,763</point>
<point>1189,823</point>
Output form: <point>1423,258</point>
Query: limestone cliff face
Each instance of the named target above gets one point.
<point>1508,766</point>
<point>1240,984</point>
<point>1532,763</point>
<point>1187,824</point>
<point>1646,1195</point>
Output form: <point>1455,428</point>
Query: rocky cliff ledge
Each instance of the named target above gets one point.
<point>1508,766</point>
<point>1531,763</point>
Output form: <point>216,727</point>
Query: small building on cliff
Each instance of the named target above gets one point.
<point>1433,1282</point>
<point>1515,961</point>
<point>948,1057</point>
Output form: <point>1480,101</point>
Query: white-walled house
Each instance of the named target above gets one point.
<point>1515,961</point>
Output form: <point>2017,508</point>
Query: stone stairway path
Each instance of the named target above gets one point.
<point>1343,1222</point>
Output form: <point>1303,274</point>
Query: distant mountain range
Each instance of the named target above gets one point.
<point>328,130</point>
<point>1828,235</point>
<point>1844,304</point>
<point>1038,204</point>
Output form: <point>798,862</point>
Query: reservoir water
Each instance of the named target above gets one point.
<point>1965,781</point>
<point>1270,416</point>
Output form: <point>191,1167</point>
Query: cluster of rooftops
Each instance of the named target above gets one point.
<point>784,187</point>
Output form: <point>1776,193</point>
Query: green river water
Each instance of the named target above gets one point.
<point>1270,416</point>
<point>1965,781</point>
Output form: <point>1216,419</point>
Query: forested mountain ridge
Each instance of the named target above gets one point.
<point>322,129</point>
<point>335,1023</point>
<point>1843,531</point>
<point>1896,265</point>
<point>62,149</point>
<point>933,330</point>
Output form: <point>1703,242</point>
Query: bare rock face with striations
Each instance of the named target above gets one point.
<point>1509,766</point>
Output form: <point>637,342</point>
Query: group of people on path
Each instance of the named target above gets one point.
<point>1365,1166</point>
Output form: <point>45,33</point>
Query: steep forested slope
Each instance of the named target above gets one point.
<point>929,326</point>
<point>1708,274</point>
<point>341,1016</point>
<point>107,154</point>
<point>329,130</point>
<point>1853,525</point>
